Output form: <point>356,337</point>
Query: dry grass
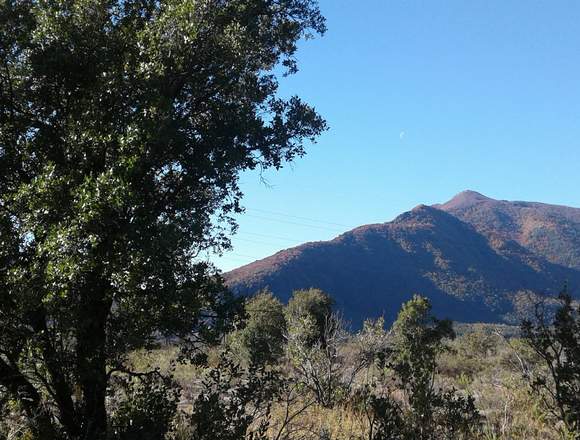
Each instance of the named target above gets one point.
<point>493,377</point>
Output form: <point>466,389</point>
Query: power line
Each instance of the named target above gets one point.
<point>242,260</point>
<point>294,223</point>
<point>258,242</point>
<point>272,236</point>
<point>243,255</point>
<point>298,217</point>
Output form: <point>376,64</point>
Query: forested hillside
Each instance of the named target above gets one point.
<point>476,258</point>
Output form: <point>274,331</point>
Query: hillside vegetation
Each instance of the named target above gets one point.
<point>475,258</point>
<point>296,372</point>
<point>125,128</point>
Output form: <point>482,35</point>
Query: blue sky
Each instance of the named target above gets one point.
<point>424,99</point>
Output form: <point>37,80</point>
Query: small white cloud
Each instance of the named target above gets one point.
<point>402,134</point>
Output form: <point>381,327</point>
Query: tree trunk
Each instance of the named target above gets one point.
<point>92,360</point>
<point>61,389</point>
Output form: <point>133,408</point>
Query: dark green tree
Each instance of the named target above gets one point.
<point>418,338</point>
<point>556,341</point>
<point>235,402</point>
<point>308,312</point>
<point>383,415</point>
<point>147,409</point>
<point>317,347</point>
<point>261,341</point>
<point>124,126</point>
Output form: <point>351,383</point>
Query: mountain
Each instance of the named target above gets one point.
<point>549,231</point>
<point>476,258</point>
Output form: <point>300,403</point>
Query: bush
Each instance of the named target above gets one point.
<point>234,403</point>
<point>261,341</point>
<point>147,408</point>
<point>557,343</point>
<point>418,339</point>
<point>308,312</point>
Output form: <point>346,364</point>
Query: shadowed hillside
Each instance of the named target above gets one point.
<point>550,231</point>
<point>472,256</point>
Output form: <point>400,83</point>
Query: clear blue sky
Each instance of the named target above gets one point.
<point>424,99</point>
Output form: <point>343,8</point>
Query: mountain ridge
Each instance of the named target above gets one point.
<point>473,256</point>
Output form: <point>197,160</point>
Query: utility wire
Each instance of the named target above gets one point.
<point>294,223</point>
<point>272,236</point>
<point>257,242</point>
<point>298,217</point>
<point>241,260</point>
<point>245,256</point>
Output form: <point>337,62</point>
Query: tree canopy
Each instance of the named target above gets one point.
<point>124,126</point>
<point>261,341</point>
<point>307,313</point>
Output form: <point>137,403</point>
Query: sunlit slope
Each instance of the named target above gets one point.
<point>473,257</point>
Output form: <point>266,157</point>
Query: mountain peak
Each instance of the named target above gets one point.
<point>464,199</point>
<point>470,256</point>
<point>471,193</point>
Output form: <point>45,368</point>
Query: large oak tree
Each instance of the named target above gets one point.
<point>124,125</point>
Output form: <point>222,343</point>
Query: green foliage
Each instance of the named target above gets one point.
<point>383,415</point>
<point>418,339</point>
<point>261,341</point>
<point>387,422</point>
<point>472,352</point>
<point>557,343</point>
<point>372,343</point>
<point>315,341</point>
<point>234,404</point>
<point>124,126</point>
<point>307,313</point>
<point>478,344</point>
<point>455,416</point>
<point>147,409</point>
<point>452,416</point>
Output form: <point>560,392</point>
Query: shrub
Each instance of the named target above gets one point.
<point>557,343</point>
<point>234,403</point>
<point>261,341</point>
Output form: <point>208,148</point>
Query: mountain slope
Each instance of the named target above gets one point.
<point>550,231</point>
<point>470,256</point>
